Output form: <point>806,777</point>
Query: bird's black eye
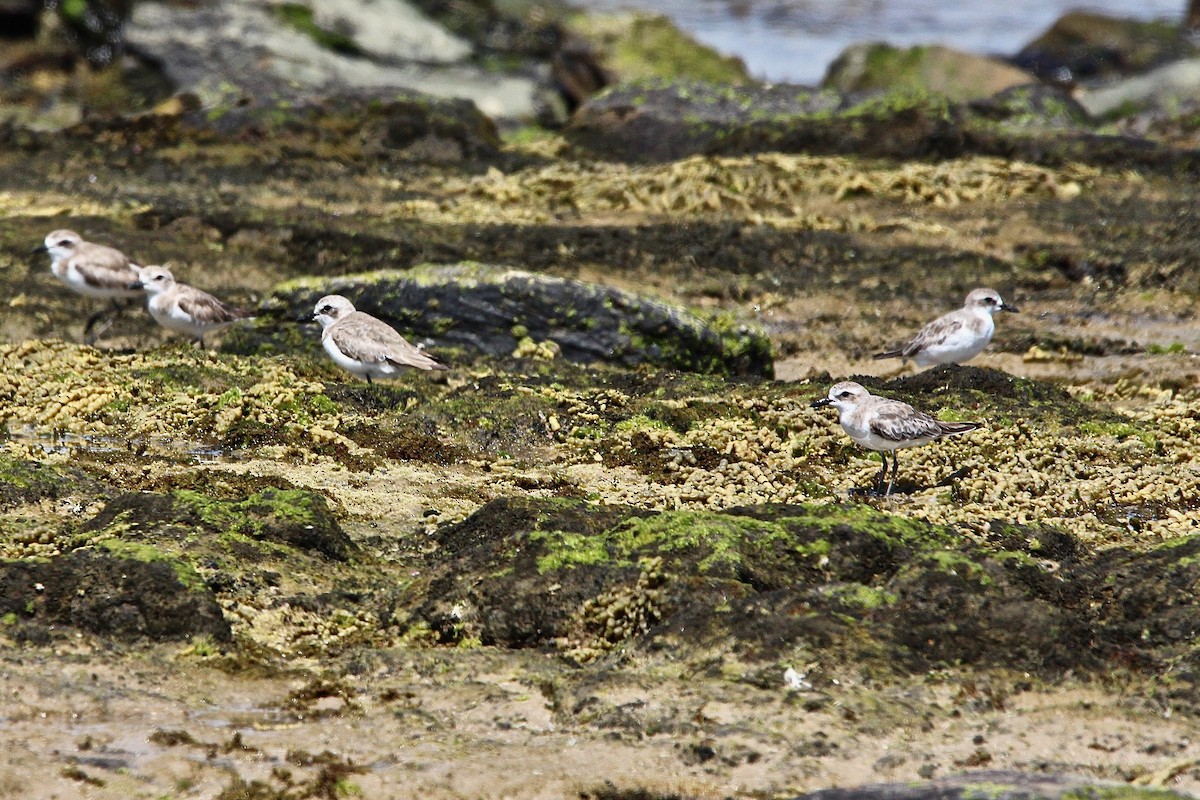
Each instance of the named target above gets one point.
<point>65,243</point>
<point>844,394</point>
<point>327,310</point>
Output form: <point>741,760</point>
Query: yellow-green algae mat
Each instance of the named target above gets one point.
<point>1124,477</point>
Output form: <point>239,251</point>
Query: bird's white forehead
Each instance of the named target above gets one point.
<point>855,389</point>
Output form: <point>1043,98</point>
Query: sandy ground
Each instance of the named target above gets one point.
<point>488,724</point>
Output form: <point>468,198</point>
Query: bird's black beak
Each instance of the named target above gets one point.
<point>824,401</point>
<point>41,248</point>
<point>1007,307</point>
<point>137,285</point>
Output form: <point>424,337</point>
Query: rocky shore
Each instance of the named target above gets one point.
<point>612,553</point>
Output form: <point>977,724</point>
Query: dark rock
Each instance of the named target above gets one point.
<point>397,124</point>
<point>656,121</point>
<point>516,29</point>
<point>1083,45</point>
<point>516,606</point>
<point>379,126</point>
<point>121,590</point>
<point>757,580</point>
<point>28,482</point>
<point>294,517</point>
<point>964,380</point>
<point>491,309</point>
<point>20,19</point>
<point>1033,106</point>
<point>577,71</point>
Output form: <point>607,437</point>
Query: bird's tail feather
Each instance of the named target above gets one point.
<point>953,428</point>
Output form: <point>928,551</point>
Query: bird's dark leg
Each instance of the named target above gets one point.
<point>117,310</point>
<point>369,381</point>
<point>88,338</point>
<point>882,476</point>
<point>895,466</point>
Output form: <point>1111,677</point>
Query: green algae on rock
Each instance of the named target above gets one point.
<point>637,45</point>
<point>656,121</point>
<point>763,580</point>
<point>959,76</point>
<point>52,386</point>
<point>23,481</point>
<point>294,517</point>
<point>485,307</point>
<point>400,126</point>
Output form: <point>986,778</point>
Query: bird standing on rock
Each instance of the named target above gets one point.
<point>886,425</point>
<point>364,345</point>
<point>183,308</point>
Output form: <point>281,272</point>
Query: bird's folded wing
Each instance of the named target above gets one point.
<point>206,309</point>
<point>409,356</point>
<point>106,274</point>
<point>899,422</point>
<point>935,333</point>
<point>367,340</point>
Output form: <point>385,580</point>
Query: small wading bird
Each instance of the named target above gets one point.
<point>183,308</point>
<point>364,345</point>
<point>885,425</point>
<point>91,270</point>
<point>955,337</point>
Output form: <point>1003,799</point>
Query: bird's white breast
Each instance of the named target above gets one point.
<point>354,365</point>
<point>165,309</point>
<point>961,345</point>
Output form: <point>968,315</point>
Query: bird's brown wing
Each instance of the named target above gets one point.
<point>360,336</point>
<point>900,422</point>
<point>934,333</point>
<point>104,268</point>
<point>208,310</point>
<point>103,257</point>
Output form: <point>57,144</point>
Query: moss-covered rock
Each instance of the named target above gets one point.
<point>119,590</point>
<point>1033,107</point>
<point>637,45</point>
<point>762,580</point>
<point>936,69</point>
<point>23,481</point>
<point>294,517</point>
<point>492,309</point>
<point>653,121</point>
<point>398,125</point>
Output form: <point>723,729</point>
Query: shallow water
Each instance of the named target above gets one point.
<point>795,40</point>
